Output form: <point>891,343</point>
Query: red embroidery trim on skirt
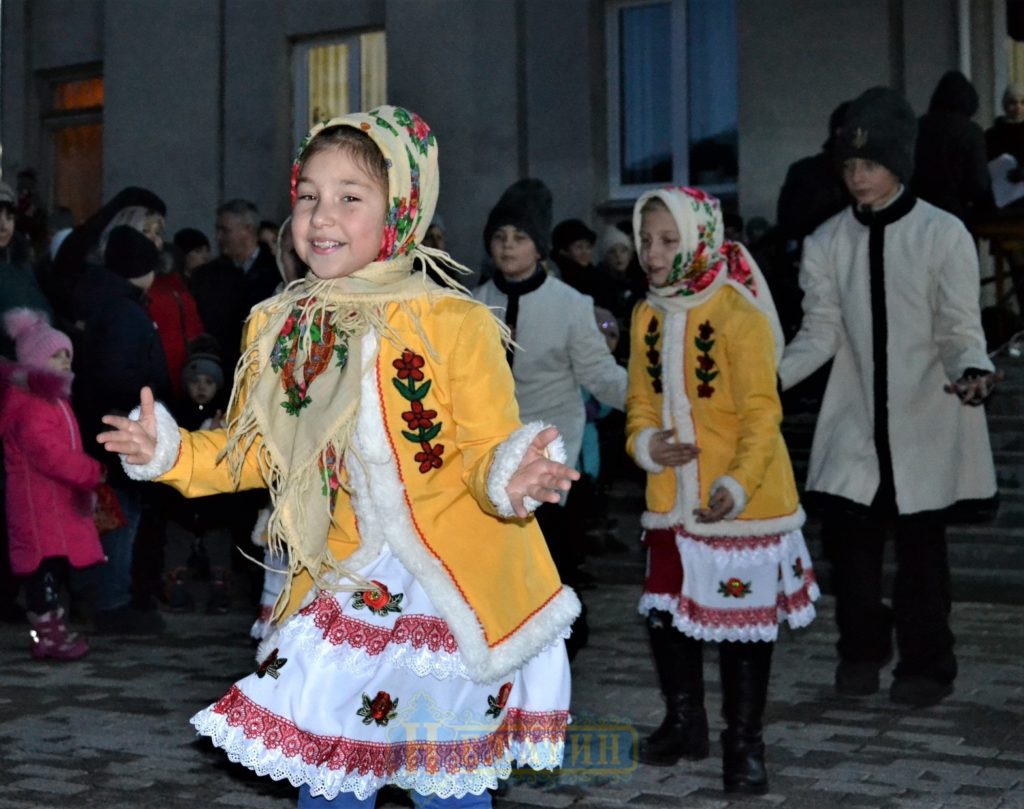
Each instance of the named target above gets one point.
<point>415,630</point>
<point>351,755</point>
<point>743,617</point>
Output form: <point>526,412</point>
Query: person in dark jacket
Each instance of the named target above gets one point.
<point>1006,136</point>
<point>244,274</point>
<point>950,166</point>
<point>83,247</point>
<point>120,353</point>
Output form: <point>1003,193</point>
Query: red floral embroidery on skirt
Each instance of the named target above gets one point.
<point>351,755</point>
<point>416,630</point>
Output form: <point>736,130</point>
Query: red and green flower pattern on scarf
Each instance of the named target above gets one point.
<point>324,344</point>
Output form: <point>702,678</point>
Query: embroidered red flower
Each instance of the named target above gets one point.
<point>419,417</point>
<point>705,362</point>
<point>271,665</point>
<point>408,366</point>
<point>379,601</point>
<point>430,457</point>
<point>495,705</point>
<point>705,330</point>
<point>734,588</point>
<point>705,391</point>
<point>380,710</point>
<point>798,568</point>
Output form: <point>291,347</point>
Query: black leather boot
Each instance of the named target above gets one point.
<point>679,663</point>
<point>745,669</point>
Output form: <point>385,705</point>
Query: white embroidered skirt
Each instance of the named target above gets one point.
<point>359,690</point>
<point>729,588</point>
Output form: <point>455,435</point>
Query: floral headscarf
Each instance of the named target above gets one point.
<point>705,260</point>
<point>297,385</point>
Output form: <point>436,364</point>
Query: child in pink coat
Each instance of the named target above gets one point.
<point>50,479</point>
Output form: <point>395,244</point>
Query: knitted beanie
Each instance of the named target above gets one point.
<point>202,363</point>
<point>129,253</point>
<point>7,196</point>
<point>526,205</point>
<point>879,125</point>
<point>571,230</point>
<point>35,340</point>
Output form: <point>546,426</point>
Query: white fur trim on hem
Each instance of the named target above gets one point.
<point>507,458</point>
<point>168,442</point>
<point>739,497</point>
<point>642,451</point>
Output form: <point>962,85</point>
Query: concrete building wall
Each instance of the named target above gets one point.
<point>801,58</point>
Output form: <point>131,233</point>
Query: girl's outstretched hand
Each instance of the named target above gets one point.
<point>538,476</point>
<point>135,440</point>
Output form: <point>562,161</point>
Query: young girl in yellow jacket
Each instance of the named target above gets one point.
<point>420,638</point>
<point>726,558</point>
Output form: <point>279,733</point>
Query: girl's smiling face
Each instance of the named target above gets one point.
<point>338,220</point>
<point>659,243</point>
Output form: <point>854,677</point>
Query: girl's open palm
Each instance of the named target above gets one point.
<point>135,440</point>
<point>538,476</point>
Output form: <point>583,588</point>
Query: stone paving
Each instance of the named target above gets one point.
<point>111,730</point>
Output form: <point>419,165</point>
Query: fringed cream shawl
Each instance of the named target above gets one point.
<point>297,387</point>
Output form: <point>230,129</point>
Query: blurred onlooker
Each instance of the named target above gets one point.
<point>120,353</point>
<point>1006,136</point>
<point>572,250</point>
<point>244,274</point>
<point>733,226</point>
<point>174,312</point>
<point>288,261</point>
<point>623,281</point>
<point>14,245</point>
<point>194,248</point>
<point>434,237</point>
<point>267,234</point>
<point>950,166</point>
<point>32,216</point>
<point>84,247</point>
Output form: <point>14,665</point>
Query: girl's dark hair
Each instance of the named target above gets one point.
<point>355,143</point>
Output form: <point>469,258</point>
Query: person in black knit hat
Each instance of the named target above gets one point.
<point>891,293</point>
<point>120,352</point>
<point>560,350</point>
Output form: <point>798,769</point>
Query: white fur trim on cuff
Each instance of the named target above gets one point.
<point>168,441</point>
<point>507,458</point>
<point>739,497</point>
<point>642,451</point>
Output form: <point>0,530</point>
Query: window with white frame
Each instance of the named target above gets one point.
<point>337,75</point>
<point>672,95</point>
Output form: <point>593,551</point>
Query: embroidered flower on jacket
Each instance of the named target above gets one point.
<point>705,370</point>
<point>422,429</point>
<point>430,457</point>
<point>653,355</point>
<point>409,365</point>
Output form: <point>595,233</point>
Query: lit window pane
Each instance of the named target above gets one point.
<point>328,82</point>
<point>374,69</point>
<point>78,95</point>
<point>644,108</point>
<point>712,92</point>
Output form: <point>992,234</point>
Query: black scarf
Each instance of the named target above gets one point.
<point>514,290</point>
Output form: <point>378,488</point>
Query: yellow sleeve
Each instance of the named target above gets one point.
<point>483,398</point>
<point>643,410</point>
<point>197,473</point>
<point>750,356</point>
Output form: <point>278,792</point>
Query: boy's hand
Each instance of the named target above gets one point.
<point>720,503</point>
<point>974,389</point>
<point>538,476</point>
<point>135,440</point>
<point>666,452</point>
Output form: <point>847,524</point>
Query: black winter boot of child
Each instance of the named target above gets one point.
<point>680,666</point>
<point>745,669</point>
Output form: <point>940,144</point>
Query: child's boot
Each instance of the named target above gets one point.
<point>678,660</point>
<point>52,638</point>
<point>745,669</point>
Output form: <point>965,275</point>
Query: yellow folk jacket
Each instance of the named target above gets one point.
<point>709,374</point>
<point>440,501</point>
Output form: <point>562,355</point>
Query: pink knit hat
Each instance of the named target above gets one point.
<point>34,338</point>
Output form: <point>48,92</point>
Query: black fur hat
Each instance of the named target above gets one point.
<point>526,205</point>
<point>879,125</point>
